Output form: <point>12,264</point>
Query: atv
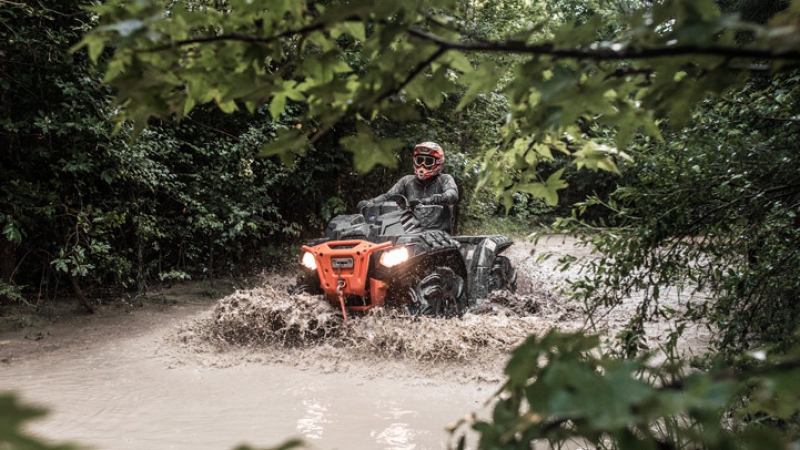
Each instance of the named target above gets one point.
<point>395,253</point>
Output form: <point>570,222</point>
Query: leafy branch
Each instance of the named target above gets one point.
<point>238,37</point>
<point>570,392</point>
<point>608,51</point>
<point>605,52</point>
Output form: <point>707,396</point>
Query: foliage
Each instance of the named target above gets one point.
<point>714,215</point>
<point>623,68</point>
<point>516,228</point>
<point>14,415</point>
<point>82,206</point>
<point>562,391</point>
<point>12,418</point>
<point>11,293</point>
<point>331,58</point>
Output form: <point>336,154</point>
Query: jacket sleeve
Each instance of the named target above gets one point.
<point>450,189</point>
<point>398,188</point>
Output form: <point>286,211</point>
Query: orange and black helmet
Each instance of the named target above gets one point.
<point>428,160</point>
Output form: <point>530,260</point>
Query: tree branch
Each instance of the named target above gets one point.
<point>381,96</point>
<point>241,37</point>
<point>413,73</point>
<point>605,53</point>
<point>779,119</point>
<point>739,375</point>
<point>689,229</point>
<point>209,127</point>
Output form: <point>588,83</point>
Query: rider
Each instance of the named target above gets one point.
<point>427,186</point>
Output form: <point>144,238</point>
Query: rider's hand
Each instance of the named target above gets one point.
<point>364,204</point>
<point>413,203</point>
<point>435,199</point>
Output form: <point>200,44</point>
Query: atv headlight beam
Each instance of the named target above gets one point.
<point>309,261</point>
<point>394,257</point>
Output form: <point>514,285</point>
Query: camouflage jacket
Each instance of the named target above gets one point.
<point>443,186</point>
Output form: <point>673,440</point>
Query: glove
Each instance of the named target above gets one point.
<point>364,204</point>
<point>435,199</point>
<point>413,203</point>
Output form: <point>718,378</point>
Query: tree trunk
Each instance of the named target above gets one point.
<point>8,260</point>
<point>76,287</point>
<point>140,285</point>
<point>8,254</point>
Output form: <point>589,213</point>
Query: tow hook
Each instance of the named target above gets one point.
<point>340,294</point>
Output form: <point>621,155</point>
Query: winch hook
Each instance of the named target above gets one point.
<point>340,293</point>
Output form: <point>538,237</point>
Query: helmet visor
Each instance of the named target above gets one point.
<point>424,160</point>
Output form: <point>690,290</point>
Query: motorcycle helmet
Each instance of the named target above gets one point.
<point>428,160</point>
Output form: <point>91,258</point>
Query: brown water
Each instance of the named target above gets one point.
<point>125,396</point>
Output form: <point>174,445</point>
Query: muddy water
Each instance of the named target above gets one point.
<point>125,396</point>
<point>160,383</point>
<point>144,388</point>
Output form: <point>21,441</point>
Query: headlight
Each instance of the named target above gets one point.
<point>394,257</point>
<point>309,261</point>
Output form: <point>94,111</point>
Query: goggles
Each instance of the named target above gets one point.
<point>424,160</point>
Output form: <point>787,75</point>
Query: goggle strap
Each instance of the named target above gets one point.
<point>425,150</point>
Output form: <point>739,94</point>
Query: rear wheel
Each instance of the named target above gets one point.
<point>439,294</point>
<point>503,275</point>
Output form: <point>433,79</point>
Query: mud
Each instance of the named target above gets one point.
<point>258,365</point>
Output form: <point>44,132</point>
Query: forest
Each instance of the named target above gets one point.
<point>153,141</point>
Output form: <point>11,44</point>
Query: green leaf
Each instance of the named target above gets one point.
<point>94,44</point>
<point>591,156</point>
<point>544,150</point>
<point>519,367</point>
<point>277,105</point>
<point>11,232</point>
<point>547,190</point>
<point>355,29</point>
<point>484,80</point>
<point>368,150</point>
<point>431,89</point>
<point>288,140</point>
<point>228,107</point>
<point>13,417</point>
<point>458,61</point>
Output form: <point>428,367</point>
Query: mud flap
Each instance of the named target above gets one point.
<point>481,253</point>
<point>503,275</point>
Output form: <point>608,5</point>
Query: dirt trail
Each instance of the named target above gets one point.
<point>210,367</point>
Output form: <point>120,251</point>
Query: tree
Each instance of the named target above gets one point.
<point>713,214</point>
<point>82,207</point>
<point>662,59</point>
<point>594,82</point>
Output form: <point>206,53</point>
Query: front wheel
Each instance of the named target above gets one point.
<point>306,283</point>
<point>439,294</point>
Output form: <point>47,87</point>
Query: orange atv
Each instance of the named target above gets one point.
<point>395,254</point>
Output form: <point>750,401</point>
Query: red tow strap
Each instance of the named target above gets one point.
<point>340,294</point>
